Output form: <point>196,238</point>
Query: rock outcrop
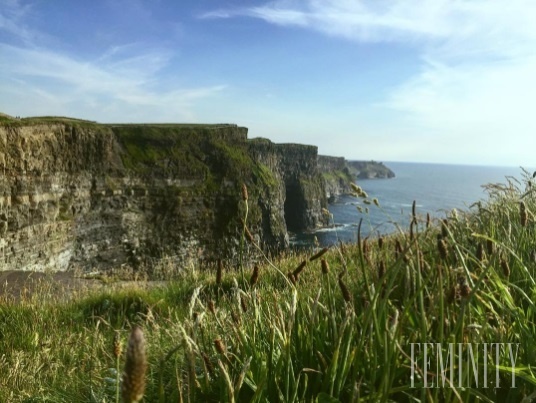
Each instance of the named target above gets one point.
<point>337,176</point>
<point>370,170</point>
<point>76,194</point>
<point>338,173</point>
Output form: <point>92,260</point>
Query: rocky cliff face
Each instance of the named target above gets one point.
<point>337,176</point>
<point>338,173</point>
<point>79,194</point>
<point>300,186</point>
<point>370,170</point>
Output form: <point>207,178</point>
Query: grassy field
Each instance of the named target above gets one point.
<point>332,328</point>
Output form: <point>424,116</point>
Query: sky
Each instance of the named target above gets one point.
<point>446,81</point>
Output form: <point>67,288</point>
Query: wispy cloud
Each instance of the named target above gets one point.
<point>476,63</point>
<point>56,81</point>
<point>481,22</point>
<point>127,80</point>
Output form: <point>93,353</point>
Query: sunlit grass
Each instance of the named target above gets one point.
<point>338,328</point>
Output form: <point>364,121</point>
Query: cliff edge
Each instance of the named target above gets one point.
<point>77,194</point>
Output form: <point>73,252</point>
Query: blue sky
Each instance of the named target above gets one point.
<point>450,81</point>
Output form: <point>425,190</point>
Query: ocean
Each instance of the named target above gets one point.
<point>436,188</point>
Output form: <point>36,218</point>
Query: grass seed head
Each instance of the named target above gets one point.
<point>118,346</point>
<point>523,215</point>
<point>243,304</point>
<point>465,289</point>
<point>365,247</point>
<point>442,248</point>
<point>381,269</point>
<point>480,252</point>
<point>219,272</point>
<point>254,276</point>
<point>220,346</point>
<point>291,277</point>
<point>299,269</point>
<point>319,254</point>
<point>344,290</point>
<point>208,364</point>
<point>244,192</point>
<point>325,266</point>
<point>489,246</point>
<point>505,267</point>
<point>133,386</point>
<point>445,228</point>
<point>212,307</point>
<point>398,249</point>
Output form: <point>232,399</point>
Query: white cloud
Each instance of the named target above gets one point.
<point>54,83</point>
<point>471,97</point>
<point>479,21</point>
<point>125,81</point>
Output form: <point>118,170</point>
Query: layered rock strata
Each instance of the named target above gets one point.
<point>76,194</point>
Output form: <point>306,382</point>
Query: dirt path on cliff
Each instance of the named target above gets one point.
<point>16,286</point>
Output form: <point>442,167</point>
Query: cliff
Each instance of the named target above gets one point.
<point>370,170</point>
<point>79,194</point>
<point>338,173</point>
<point>295,170</point>
<point>337,176</point>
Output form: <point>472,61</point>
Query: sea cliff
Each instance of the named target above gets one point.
<point>338,174</point>
<point>77,194</point>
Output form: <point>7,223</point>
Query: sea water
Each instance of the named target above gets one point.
<point>436,188</point>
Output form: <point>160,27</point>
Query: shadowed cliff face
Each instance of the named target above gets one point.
<point>78,194</point>
<point>300,185</point>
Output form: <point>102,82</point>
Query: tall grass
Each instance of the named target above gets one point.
<point>341,330</point>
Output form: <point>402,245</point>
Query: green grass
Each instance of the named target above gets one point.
<point>469,280</point>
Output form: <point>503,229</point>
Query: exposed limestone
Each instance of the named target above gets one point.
<point>79,194</point>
